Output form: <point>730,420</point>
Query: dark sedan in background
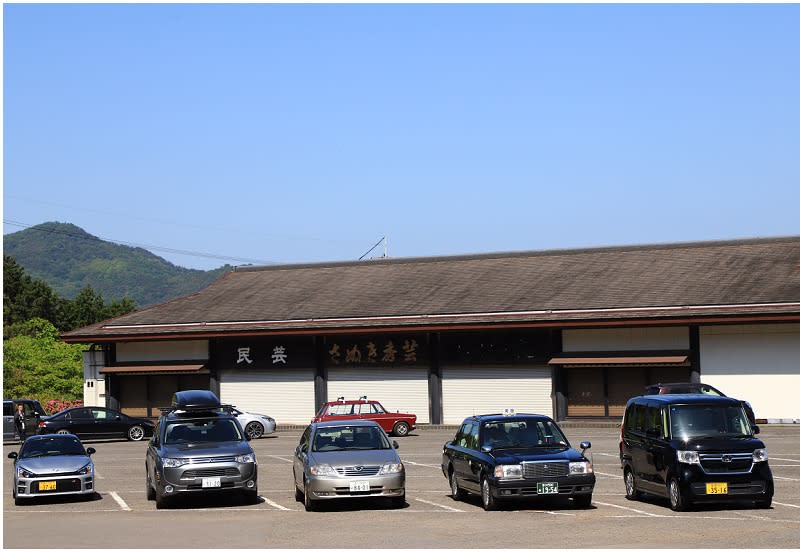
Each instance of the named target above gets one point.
<point>94,422</point>
<point>516,456</point>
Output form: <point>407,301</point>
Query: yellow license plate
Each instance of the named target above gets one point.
<point>47,485</point>
<point>716,488</point>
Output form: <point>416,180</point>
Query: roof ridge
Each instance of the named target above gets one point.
<point>521,253</point>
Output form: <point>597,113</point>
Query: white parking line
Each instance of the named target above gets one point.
<point>448,508</point>
<point>614,475</point>
<point>119,501</point>
<point>785,478</point>
<point>783,459</point>
<point>640,512</point>
<point>784,504</point>
<point>424,465</point>
<point>282,459</point>
<point>276,505</point>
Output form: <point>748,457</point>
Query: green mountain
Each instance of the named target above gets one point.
<point>68,259</point>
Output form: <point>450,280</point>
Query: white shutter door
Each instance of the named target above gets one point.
<point>286,395</point>
<point>403,390</point>
<point>467,391</point>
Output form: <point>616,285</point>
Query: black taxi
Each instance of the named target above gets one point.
<point>516,456</point>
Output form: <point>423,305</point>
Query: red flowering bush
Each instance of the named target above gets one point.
<point>57,405</point>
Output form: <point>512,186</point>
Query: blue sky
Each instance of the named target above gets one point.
<point>305,133</point>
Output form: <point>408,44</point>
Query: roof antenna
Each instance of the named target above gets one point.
<point>385,249</point>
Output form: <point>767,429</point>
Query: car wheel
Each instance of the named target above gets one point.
<point>298,494</point>
<point>582,501</point>
<point>250,497</point>
<point>308,502</point>
<point>488,501</point>
<point>17,501</point>
<point>136,433</point>
<point>677,501</point>
<point>149,491</point>
<point>631,492</point>
<point>455,491</point>
<point>254,430</point>
<point>63,432</point>
<point>401,429</point>
<point>398,501</point>
<point>765,503</point>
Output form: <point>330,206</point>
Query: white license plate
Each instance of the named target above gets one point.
<point>359,486</point>
<point>547,488</point>
<point>210,482</point>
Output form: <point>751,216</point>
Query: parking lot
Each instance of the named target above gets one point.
<point>121,517</point>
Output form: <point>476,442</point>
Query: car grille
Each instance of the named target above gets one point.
<point>357,471</point>
<point>210,472</point>
<point>727,462</point>
<point>213,460</point>
<point>535,470</point>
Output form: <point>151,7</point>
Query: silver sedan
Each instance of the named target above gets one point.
<point>255,425</point>
<point>347,459</point>
<point>49,465</point>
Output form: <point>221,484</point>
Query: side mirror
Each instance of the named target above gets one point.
<point>90,451</point>
<point>585,445</point>
<point>756,430</point>
<point>395,445</point>
<point>247,436</point>
<point>303,448</point>
<point>12,455</point>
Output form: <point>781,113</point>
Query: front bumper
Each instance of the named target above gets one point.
<point>328,487</point>
<point>209,477</point>
<point>574,485</point>
<point>754,485</point>
<point>65,485</point>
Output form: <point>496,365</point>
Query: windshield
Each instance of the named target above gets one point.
<point>51,447</point>
<point>202,431</point>
<point>691,421</point>
<point>329,439</point>
<point>522,433</point>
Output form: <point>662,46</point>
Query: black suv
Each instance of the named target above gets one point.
<point>693,448</point>
<point>199,446</point>
<point>501,457</point>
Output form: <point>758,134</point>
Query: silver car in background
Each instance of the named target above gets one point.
<point>255,425</point>
<point>347,459</point>
<point>50,465</point>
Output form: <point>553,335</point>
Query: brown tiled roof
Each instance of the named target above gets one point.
<point>704,281</point>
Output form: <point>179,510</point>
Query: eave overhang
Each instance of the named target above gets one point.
<point>567,318</point>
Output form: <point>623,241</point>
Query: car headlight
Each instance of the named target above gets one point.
<point>688,457</point>
<point>391,468</point>
<point>246,458</point>
<point>175,462</point>
<point>583,467</point>
<point>87,469</point>
<point>508,471</point>
<point>322,469</point>
<point>760,455</point>
<point>22,472</point>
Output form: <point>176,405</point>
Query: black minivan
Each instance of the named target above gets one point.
<point>693,449</point>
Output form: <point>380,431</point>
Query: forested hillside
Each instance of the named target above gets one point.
<point>69,259</point>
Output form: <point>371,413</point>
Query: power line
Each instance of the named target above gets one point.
<point>89,237</point>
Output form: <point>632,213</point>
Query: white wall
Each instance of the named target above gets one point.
<point>757,363</point>
<point>154,351</point>
<point>625,339</point>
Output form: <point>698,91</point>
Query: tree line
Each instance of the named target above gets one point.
<point>36,363</point>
